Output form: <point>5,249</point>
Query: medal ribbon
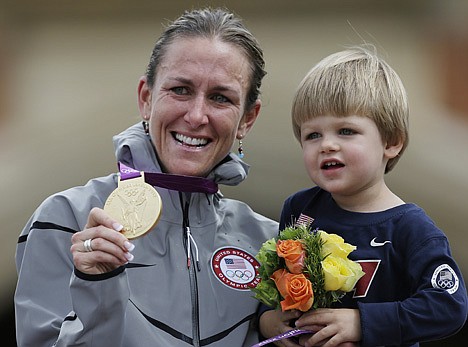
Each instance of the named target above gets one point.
<point>290,333</point>
<point>181,183</point>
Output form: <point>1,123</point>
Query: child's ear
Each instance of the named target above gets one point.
<point>392,150</point>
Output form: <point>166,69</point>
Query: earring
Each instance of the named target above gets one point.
<point>240,150</point>
<point>146,127</point>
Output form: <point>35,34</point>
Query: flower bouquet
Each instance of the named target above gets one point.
<point>303,269</point>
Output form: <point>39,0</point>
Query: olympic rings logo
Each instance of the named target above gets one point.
<point>239,274</point>
<point>131,192</point>
<point>444,277</point>
<point>445,284</point>
<point>235,268</point>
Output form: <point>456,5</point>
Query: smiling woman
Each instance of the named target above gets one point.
<point>200,93</point>
<point>197,105</point>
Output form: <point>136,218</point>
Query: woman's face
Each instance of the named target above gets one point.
<point>196,108</point>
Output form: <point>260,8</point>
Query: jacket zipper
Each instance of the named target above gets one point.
<point>191,269</point>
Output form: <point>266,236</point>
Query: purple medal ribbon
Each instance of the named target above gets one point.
<point>288,334</point>
<point>181,183</point>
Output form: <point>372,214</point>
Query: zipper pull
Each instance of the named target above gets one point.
<point>189,242</point>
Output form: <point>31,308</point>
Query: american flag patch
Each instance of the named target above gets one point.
<point>304,219</point>
<point>234,263</point>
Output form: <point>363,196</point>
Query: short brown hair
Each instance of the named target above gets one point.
<point>355,82</point>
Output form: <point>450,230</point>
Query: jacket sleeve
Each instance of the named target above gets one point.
<point>99,304</point>
<point>432,312</point>
<point>53,305</point>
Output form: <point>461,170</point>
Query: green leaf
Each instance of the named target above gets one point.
<point>267,293</point>
<point>268,259</point>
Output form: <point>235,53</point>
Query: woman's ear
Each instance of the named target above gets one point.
<point>248,120</point>
<point>144,98</point>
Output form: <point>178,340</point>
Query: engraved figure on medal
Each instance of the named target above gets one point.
<point>136,205</point>
<point>132,209</point>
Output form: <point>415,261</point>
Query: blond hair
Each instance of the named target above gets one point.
<point>355,82</point>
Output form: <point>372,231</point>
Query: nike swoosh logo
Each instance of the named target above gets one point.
<point>374,243</point>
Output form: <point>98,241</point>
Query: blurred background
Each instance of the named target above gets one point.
<point>69,72</point>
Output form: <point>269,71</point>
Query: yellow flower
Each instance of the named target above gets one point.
<point>340,273</point>
<point>335,245</point>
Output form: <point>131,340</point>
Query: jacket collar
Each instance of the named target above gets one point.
<point>134,148</point>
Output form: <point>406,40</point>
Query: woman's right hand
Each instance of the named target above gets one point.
<point>107,249</point>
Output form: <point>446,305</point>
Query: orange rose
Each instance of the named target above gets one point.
<point>295,289</point>
<point>293,253</point>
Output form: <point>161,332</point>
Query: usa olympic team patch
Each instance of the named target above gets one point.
<point>445,278</point>
<point>235,268</point>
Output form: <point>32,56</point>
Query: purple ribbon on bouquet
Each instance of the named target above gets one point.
<point>288,334</point>
<point>181,183</point>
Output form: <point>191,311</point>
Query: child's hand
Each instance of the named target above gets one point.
<point>335,327</point>
<point>276,322</point>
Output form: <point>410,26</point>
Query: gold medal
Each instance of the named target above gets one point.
<point>136,205</point>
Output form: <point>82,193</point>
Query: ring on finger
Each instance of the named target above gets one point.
<point>87,245</point>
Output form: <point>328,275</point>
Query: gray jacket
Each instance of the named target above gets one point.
<point>155,300</point>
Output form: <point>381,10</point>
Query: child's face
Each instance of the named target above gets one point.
<point>344,155</point>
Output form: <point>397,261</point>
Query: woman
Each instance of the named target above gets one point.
<point>186,281</point>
